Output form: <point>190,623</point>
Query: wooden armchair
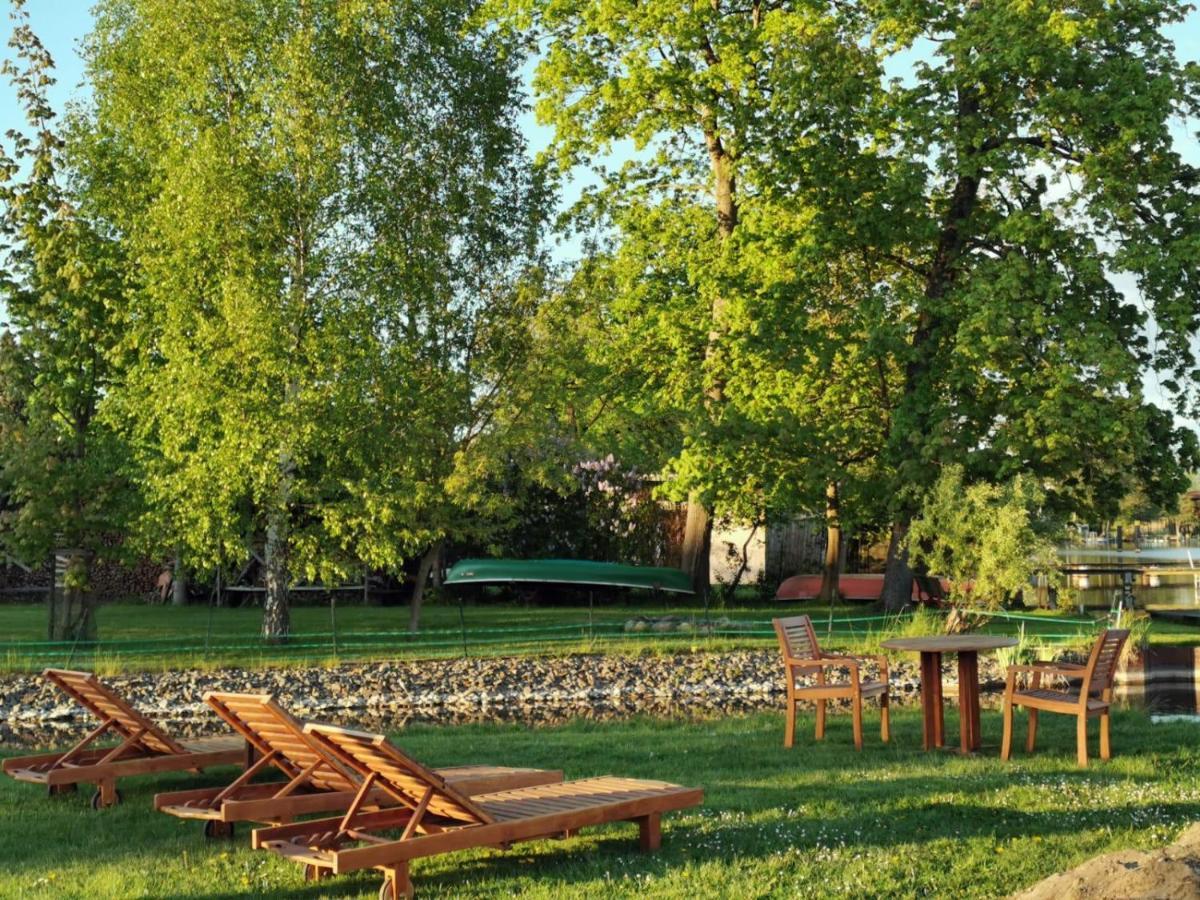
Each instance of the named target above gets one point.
<point>1090,698</point>
<point>802,655</point>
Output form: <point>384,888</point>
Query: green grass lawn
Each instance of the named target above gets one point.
<point>141,637</point>
<point>815,821</point>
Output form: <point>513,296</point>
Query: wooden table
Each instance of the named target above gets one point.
<point>968,647</point>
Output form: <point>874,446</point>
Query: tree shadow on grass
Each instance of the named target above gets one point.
<point>757,797</point>
<point>590,859</point>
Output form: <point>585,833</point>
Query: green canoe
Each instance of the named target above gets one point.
<point>568,571</point>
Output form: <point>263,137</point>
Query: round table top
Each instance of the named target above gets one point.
<point>950,643</point>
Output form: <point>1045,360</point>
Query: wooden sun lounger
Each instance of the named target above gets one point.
<point>314,780</point>
<point>434,817</point>
<point>144,748</point>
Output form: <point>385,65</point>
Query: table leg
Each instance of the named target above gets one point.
<point>927,714</point>
<point>939,709</point>
<point>968,700</point>
<point>932,723</point>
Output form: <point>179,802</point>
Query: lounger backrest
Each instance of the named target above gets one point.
<point>86,690</point>
<point>268,727</point>
<point>395,772</point>
<point>797,639</point>
<point>1102,664</point>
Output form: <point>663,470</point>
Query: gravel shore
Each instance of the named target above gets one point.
<point>387,695</point>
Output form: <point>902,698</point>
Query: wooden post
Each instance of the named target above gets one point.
<point>462,623</point>
<point>333,619</point>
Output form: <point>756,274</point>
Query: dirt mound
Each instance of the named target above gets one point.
<point>1172,873</point>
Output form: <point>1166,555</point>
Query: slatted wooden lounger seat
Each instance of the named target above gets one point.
<point>314,781</point>
<point>434,817</point>
<point>144,748</point>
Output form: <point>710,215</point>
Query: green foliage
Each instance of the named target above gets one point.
<point>332,213</point>
<point>608,513</point>
<point>988,539</point>
<point>1024,157</point>
<point>826,273</point>
<point>63,467</point>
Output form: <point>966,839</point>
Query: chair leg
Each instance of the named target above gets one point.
<point>650,828</point>
<point>1032,739</point>
<point>1105,748</point>
<point>858,739</point>
<point>820,720</point>
<point>885,725</point>
<point>1081,740</point>
<point>1006,743</point>
<point>789,730</point>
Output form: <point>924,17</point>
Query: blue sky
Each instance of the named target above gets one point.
<point>62,23</point>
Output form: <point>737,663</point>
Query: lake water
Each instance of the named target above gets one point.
<point>1162,577</point>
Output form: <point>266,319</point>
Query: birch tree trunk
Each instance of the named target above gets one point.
<point>179,584</point>
<point>277,622</point>
<point>697,533</point>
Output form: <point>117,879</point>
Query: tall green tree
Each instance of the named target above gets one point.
<point>1005,163</point>
<point>612,73</point>
<point>991,166</point>
<point>330,207</point>
<point>62,465</point>
<point>702,233</point>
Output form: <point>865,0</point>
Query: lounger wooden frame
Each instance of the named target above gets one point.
<point>1091,698</point>
<point>144,748</point>
<point>435,818</point>
<point>802,655</point>
<point>313,781</point>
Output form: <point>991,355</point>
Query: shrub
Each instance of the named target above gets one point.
<point>988,539</point>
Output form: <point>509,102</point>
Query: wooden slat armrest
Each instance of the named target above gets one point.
<point>825,662</point>
<point>842,660</point>
<point>859,661</point>
<point>1044,663</point>
<point>1067,670</point>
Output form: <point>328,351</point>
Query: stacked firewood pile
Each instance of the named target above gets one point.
<point>15,577</point>
<point>111,579</point>
<point>125,581</point>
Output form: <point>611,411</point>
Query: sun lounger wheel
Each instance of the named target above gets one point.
<point>215,829</point>
<point>98,799</point>
<point>316,873</point>
<point>396,884</point>
<point>53,790</point>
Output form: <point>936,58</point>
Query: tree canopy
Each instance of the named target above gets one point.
<point>329,207</point>
<point>63,279</point>
<point>968,179</point>
<point>285,272</point>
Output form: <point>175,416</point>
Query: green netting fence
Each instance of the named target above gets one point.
<point>587,634</point>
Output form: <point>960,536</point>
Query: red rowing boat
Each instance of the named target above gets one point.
<point>851,587</point>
